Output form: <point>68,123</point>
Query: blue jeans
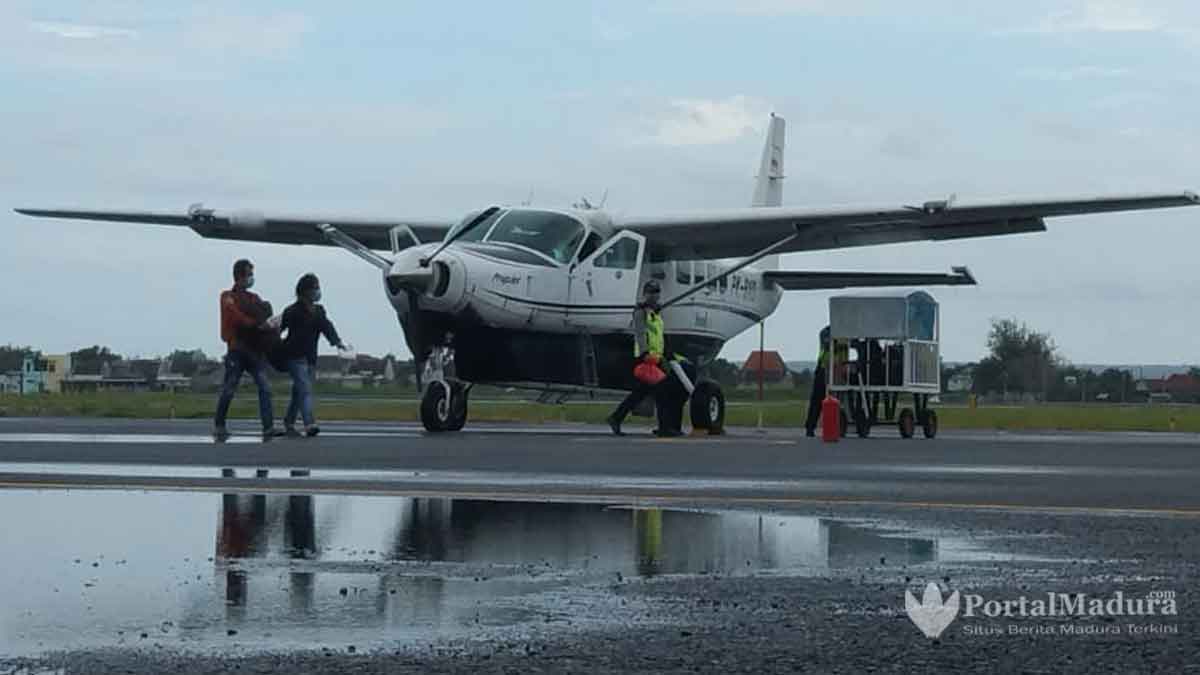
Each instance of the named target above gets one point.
<point>237,362</point>
<point>301,402</point>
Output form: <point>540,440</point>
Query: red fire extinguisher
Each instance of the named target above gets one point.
<point>831,418</point>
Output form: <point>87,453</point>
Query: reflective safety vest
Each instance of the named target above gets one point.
<point>655,342</point>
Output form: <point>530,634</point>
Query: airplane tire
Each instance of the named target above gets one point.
<point>435,407</point>
<point>708,407</point>
<point>458,407</point>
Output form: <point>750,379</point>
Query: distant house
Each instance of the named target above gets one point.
<point>10,383</point>
<point>960,381</point>
<point>135,375</point>
<point>773,367</point>
<point>33,375</point>
<point>1180,387</point>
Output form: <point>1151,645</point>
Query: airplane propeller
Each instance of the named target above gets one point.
<point>483,215</point>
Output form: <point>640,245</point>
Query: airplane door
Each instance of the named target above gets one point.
<point>604,286</point>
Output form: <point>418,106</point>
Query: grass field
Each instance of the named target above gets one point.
<point>777,412</point>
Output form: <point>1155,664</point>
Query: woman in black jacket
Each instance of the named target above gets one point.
<point>304,321</point>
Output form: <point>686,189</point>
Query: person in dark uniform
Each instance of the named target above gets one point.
<point>304,321</point>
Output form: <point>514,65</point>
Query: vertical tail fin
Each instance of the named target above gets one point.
<point>768,187</point>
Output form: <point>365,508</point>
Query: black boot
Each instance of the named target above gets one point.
<point>614,421</point>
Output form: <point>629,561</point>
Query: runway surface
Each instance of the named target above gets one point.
<point>1127,471</point>
<point>146,547</point>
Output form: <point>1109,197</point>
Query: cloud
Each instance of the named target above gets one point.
<point>1101,16</point>
<point>608,31</point>
<point>1072,74</point>
<point>270,35</point>
<point>76,31</point>
<point>177,43</point>
<point>708,121</point>
<point>772,7</point>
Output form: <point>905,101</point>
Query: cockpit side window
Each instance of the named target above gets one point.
<point>552,234</point>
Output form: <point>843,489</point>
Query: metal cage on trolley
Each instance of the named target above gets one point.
<point>883,346</point>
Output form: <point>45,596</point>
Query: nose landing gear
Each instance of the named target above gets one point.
<point>444,401</point>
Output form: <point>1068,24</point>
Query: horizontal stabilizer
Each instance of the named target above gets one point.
<point>812,281</point>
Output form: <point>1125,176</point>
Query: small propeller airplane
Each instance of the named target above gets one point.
<point>543,298</point>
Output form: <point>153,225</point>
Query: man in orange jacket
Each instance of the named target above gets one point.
<point>243,325</point>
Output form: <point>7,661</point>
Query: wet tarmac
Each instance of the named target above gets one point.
<point>380,549</point>
<point>219,572</point>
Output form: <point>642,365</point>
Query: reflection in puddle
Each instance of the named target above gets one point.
<point>99,569</point>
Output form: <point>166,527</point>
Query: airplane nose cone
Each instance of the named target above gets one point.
<point>407,274</point>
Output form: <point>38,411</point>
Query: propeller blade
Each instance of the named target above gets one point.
<point>484,215</point>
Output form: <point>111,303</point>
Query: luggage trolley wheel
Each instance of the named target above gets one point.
<point>907,423</point>
<point>929,425</point>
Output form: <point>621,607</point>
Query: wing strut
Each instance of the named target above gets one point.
<point>736,268</point>
<point>339,238</point>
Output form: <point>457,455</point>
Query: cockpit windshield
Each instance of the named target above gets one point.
<point>552,234</point>
<point>477,232</point>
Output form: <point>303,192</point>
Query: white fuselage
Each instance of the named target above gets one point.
<point>590,290</point>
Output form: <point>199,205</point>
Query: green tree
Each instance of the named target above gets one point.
<point>186,363</point>
<point>91,359</point>
<point>1020,360</point>
<point>13,357</point>
<point>724,372</point>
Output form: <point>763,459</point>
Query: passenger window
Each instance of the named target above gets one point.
<point>698,272</point>
<point>621,255</point>
<point>658,272</point>
<point>589,246</point>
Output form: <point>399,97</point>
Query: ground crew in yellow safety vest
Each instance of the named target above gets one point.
<point>649,344</point>
<point>818,386</point>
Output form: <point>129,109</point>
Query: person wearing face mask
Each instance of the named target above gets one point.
<point>649,346</point>
<point>305,321</point>
<point>244,318</point>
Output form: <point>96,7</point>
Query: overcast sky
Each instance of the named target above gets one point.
<point>430,109</point>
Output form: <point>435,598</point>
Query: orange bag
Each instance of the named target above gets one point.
<point>647,372</point>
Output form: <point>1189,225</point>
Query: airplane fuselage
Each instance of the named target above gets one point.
<point>515,313</point>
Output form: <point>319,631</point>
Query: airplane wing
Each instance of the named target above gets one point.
<point>248,225</point>
<point>809,281</point>
<point>742,232</point>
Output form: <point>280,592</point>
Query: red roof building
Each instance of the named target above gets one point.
<point>772,364</point>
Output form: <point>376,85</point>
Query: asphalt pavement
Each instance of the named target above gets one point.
<point>145,547</point>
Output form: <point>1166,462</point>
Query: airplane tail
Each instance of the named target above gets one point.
<point>768,187</point>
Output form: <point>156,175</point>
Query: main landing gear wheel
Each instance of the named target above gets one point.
<point>458,406</point>
<point>929,425</point>
<point>436,413</point>
<point>708,407</point>
<point>907,423</point>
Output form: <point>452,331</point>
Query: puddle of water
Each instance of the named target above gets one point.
<point>204,571</point>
